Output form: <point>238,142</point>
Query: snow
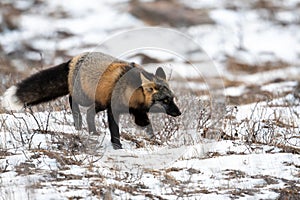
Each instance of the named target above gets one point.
<point>285,48</point>
<point>257,36</point>
<point>278,87</point>
<point>209,165</point>
<point>268,76</point>
<point>235,91</point>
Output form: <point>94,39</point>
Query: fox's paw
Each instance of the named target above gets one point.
<point>78,126</point>
<point>77,121</point>
<point>117,146</point>
<point>149,131</point>
<point>93,131</point>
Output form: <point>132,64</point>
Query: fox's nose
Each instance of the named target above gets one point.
<point>176,113</point>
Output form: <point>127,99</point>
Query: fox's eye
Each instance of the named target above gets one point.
<point>149,89</point>
<point>166,101</point>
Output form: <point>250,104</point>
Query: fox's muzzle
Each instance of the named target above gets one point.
<point>170,109</point>
<point>173,110</point>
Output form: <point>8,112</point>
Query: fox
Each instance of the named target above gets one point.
<point>99,82</point>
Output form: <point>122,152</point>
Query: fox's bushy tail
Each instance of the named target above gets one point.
<point>38,88</point>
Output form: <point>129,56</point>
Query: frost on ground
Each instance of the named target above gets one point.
<point>245,145</point>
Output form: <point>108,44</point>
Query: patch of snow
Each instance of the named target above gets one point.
<point>286,86</point>
<point>290,73</point>
<point>234,91</point>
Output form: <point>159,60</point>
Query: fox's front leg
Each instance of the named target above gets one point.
<point>141,119</point>
<point>113,123</point>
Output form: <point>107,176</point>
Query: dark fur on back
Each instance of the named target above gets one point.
<point>44,86</point>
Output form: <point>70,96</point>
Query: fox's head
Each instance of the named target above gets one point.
<point>158,95</point>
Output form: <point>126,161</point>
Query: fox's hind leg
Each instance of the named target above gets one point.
<point>76,113</point>
<point>90,118</point>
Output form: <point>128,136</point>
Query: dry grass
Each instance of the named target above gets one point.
<point>169,13</point>
<point>238,67</point>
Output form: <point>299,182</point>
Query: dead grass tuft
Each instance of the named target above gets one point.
<point>62,159</point>
<point>289,193</point>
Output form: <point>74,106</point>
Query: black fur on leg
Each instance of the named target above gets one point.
<point>113,123</point>
<point>117,146</point>
<point>142,119</point>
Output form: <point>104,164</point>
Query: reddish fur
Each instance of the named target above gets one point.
<point>107,83</point>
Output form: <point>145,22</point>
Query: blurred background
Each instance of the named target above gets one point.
<point>252,42</point>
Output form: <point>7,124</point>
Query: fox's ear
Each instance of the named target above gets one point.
<point>145,81</point>
<point>161,73</point>
<point>147,84</point>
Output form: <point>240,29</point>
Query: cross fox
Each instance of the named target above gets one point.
<point>99,82</point>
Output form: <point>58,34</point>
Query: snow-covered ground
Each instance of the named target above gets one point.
<point>57,162</point>
<point>237,83</point>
